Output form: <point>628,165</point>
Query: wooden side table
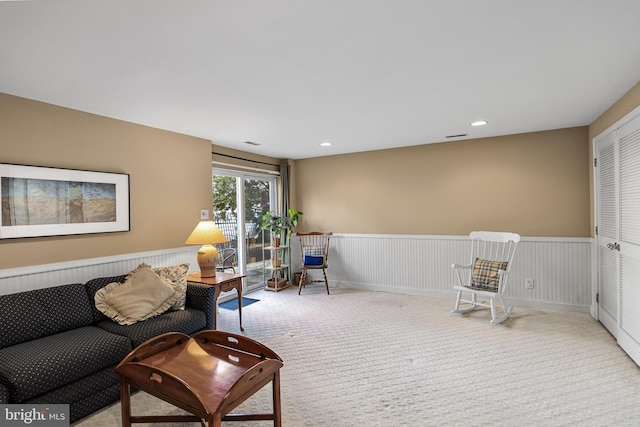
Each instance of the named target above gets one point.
<point>208,376</point>
<point>223,282</point>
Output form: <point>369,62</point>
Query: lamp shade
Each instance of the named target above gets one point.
<point>206,233</point>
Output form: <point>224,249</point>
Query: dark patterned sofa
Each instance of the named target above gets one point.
<point>56,347</point>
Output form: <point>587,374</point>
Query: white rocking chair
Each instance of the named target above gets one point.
<point>486,276</point>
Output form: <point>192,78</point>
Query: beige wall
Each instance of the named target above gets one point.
<point>618,110</point>
<point>535,184</point>
<point>170,177</point>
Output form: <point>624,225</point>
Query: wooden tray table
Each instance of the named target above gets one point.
<point>208,375</point>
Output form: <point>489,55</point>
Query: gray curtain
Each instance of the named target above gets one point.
<point>284,180</point>
<point>284,209</point>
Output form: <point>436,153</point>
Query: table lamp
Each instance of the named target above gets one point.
<point>207,234</point>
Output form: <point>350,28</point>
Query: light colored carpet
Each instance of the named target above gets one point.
<point>359,358</point>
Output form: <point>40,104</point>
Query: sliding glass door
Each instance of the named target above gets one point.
<point>239,201</point>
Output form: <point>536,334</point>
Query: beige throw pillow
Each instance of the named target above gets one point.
<point>177,275</point>
<point>144,294</point>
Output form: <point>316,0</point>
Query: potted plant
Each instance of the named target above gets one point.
<point>274,223</point>
<point>292,219</point>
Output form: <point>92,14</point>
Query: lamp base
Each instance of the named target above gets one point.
<point>207,260</point>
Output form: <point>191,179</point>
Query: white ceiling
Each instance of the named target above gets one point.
<point>289,74</point>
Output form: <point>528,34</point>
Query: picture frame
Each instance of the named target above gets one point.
<point>38,201</point>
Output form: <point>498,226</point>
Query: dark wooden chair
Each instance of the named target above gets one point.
<point>314,248</point>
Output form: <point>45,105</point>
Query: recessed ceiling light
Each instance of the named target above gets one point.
<point>479,123</point>
<point>325,144</point>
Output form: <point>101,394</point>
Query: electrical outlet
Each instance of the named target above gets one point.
<point>204,214</point>
<point>528,283</point>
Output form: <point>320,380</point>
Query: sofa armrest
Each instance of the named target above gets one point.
<point>201,297</point>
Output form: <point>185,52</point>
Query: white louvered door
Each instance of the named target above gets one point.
<point>629,324</point>
<point>607,193</point>
<point>618,240</point>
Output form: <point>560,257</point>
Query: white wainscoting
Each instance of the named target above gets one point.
<point>42,276</point>
<point>421,265</point>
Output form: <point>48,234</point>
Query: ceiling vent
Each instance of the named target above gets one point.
<point>457,136</point>
<point>252,143</point>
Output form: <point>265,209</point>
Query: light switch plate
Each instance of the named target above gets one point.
<point>204,214</point>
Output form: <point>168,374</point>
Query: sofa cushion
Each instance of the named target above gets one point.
<point>186,321</point>
<point>143,294</point>
<point>33,314</point>
<point>35,367</point>
<point>93,286</point>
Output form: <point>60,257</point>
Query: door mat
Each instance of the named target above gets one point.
<point>232,304</point>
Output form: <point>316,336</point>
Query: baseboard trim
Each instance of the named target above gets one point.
<point>542,305</point>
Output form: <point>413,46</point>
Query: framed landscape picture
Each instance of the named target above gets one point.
<point>41,201</point>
